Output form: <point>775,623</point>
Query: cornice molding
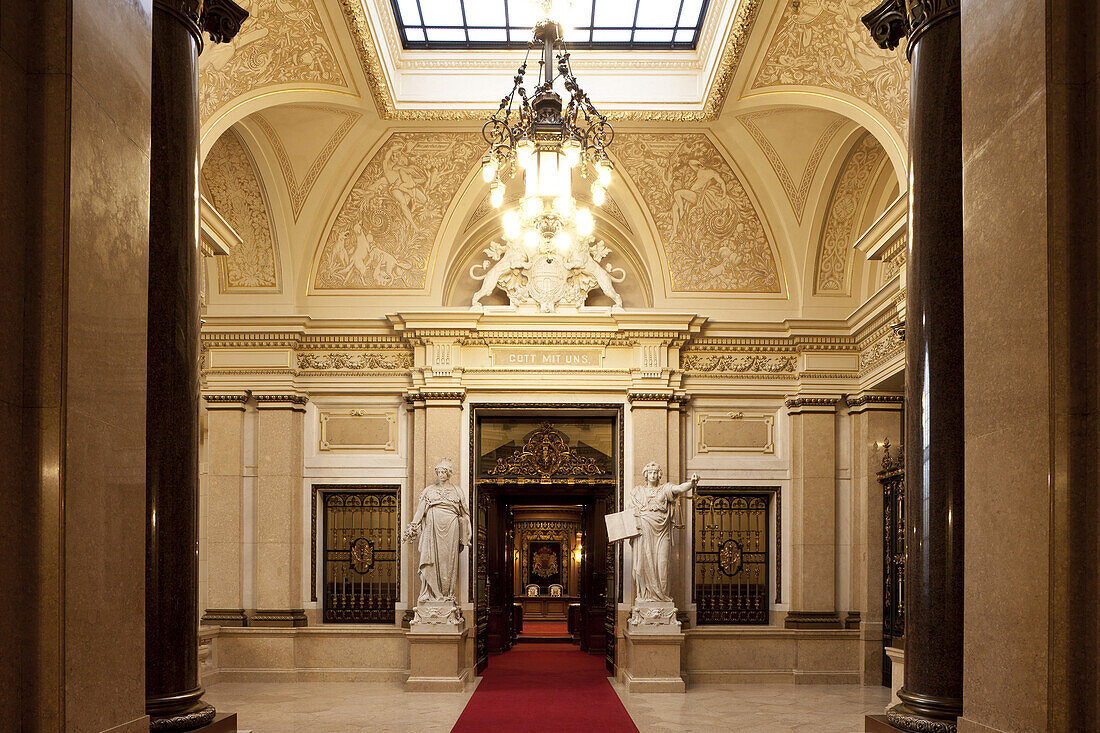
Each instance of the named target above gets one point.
<point>871,401</point>
<point>800,405</point>
<point>294,402</point>
<point>225,401</point>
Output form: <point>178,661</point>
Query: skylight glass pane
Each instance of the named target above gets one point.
<point>521,13</point>
<point>689,16</point>
<point>441,12</point>
<point>488,35</point>
<point>409,14</point>
<point>657,14</point>
<point>485,12</point>
<point>446,34</point>
<point>610,36</point>
<point>649,24</point>
<point>615,13</point>
<point>663,35</point>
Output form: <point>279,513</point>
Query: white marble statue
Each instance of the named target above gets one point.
<point>656,508</point>
<point>441,526</point>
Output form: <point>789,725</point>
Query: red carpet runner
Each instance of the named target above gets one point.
<point>545,687</point>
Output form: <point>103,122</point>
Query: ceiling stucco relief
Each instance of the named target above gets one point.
<point>842,217</point>
<point>383,235</point>
<point>283,41</point>
<point>713,238</point>
<point>233,186</point>
<point>796,191</point>
<point>823,43</point>
<point>313,133</point>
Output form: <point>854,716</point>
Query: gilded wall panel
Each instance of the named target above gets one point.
<point>714,240</point>
<point>283,41</point>
<point>834,254</point>
<point>233,186</point>
<point>822,43</point>
<point>383,235</point>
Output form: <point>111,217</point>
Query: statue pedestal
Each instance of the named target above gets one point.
<point>436,658</point>
<point>437,617</point>
<point>654,660</point>
<point>655,617</point>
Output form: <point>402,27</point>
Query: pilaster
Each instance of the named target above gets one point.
<point>813,603</point>
<point>224,509</point>
<point>277,555</point>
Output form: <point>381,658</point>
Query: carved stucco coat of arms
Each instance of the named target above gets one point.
<point>546,277</point>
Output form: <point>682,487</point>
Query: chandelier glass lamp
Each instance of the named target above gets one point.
<point>545,139</point>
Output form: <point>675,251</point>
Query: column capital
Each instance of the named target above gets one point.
<point>420,397</point>
<point>221,19</point>
<point>295,402</point>
<point>893,20</point>
<point>235,401</point>
<point>864,401</point>
<point>805,404</point>
<point>666,398</point>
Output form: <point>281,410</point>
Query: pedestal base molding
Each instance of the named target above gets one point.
<point>813,620</point>
<point>653,662</point>
<point>224,617</point>
<point>436,660</point>
<point>278,618</point>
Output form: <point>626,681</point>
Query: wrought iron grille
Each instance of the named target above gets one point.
<point>730,545</point>
<point>892,478</point>
<point>361,559</point>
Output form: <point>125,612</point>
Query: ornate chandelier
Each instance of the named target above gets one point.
<point>546,140</point>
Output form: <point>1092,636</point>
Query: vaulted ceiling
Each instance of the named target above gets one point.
<point>745,167</point>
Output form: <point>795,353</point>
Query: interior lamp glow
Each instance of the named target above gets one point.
<point>546,137</point>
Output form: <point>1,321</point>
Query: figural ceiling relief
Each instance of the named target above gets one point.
<point>843,215</point>
<point>384,232</point>
<point>713,238</point>
<point>822,43</point>
<point>233,186</point>
<point>282,41</point>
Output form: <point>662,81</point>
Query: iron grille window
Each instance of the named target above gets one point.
<point>730,545</point>
<point>361,559</point>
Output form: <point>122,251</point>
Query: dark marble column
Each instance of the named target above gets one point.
<point>931,698</point>
<point>173,696</point>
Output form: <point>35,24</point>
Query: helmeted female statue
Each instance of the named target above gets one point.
<point>441,526</point>
<point>656,508</point>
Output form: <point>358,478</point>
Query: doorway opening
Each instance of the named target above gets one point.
<point>543,570</point>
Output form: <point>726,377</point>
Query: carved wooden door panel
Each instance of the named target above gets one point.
<point>481,582</point>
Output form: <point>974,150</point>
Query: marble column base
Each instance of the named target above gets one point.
<point>653,618</point>
<point>437,659</point>
<point>278,618</point>
<point>653,661</point>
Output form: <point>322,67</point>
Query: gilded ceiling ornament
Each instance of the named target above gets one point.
<point>842,219</point>
<point>386,228</point>
<point>713,238</point>
<point>282,42</point>
<point>234,188</point>
<point>796,193</point>
<point>823,43</point>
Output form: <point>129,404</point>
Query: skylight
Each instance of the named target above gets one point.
<point>607,24</point>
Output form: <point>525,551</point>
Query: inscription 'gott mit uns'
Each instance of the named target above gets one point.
<point>507,357</point>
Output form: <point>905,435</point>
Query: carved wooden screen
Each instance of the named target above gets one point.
<point>360,556</point>
<point>730,546</point>
<point>892,478</point>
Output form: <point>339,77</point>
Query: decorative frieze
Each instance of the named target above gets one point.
<point>354,362</point>
<point>738,363</point>
<point>888,344</point>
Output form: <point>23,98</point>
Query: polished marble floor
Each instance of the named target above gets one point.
<point>352,707</point>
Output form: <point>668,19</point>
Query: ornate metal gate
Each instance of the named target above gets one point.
<point>730,547</point>
<point>361,560</point>
<point>892,478</point>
